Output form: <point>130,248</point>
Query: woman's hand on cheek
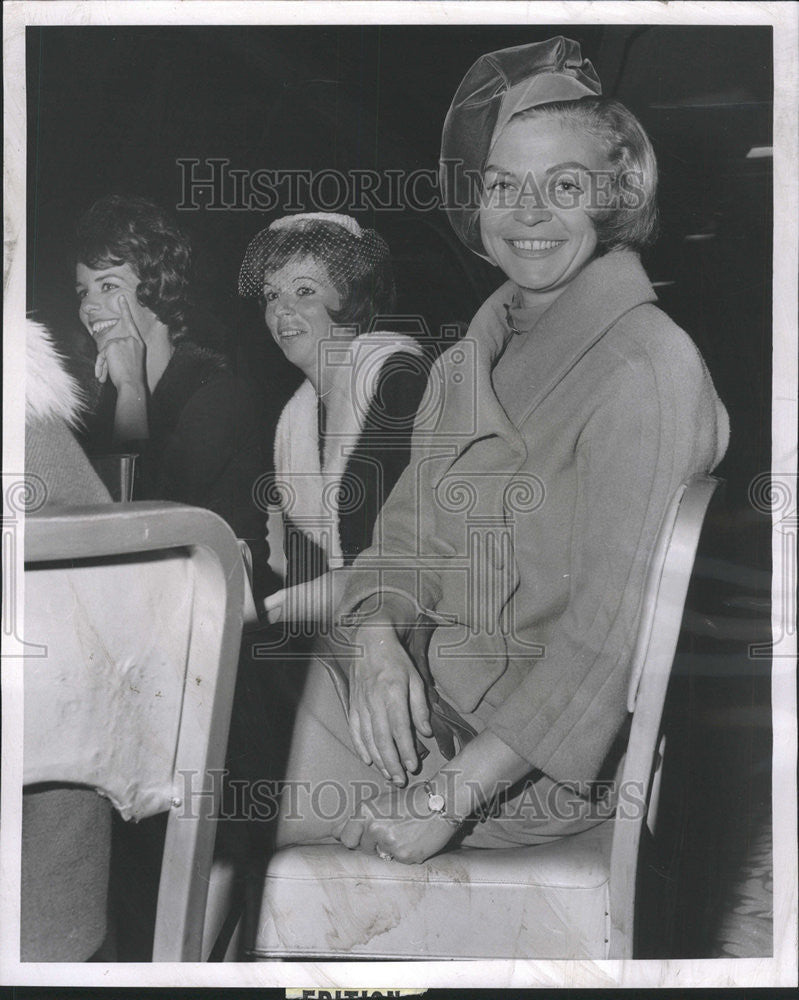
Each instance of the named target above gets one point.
<point>123,355</point>
<point>387,704</point>
<point>100,367</point>
<point>398,823</point>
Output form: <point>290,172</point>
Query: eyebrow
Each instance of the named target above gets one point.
<point>298,277</point>
<point>102,275</point>
<point>571,165</point>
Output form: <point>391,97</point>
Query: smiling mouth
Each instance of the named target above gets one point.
<point>535,246</point>
<point>289,332</point>
<point>99,326</point>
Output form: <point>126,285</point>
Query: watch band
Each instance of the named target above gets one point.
<point>437,805</point>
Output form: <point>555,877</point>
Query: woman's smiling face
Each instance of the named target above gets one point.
<point>533,219</point>
<point>98,292</point>
<point>298,299</point>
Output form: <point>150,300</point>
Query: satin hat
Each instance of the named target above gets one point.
<point>497,86</point>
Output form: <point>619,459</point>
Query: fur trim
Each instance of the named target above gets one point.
<point>308,492</point>
<point>50,391</point>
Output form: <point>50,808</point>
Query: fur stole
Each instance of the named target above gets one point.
<point>51,393</point>
<point>310,493</point>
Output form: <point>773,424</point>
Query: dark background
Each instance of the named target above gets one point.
<point>114,109</point>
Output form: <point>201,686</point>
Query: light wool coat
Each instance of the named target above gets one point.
<point>524,523</point>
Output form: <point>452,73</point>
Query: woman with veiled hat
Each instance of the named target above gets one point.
<point>494,626</point>
<point>342,440</point>
<point>323,282</point>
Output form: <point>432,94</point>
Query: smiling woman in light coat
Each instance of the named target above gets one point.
<point>495,616</point>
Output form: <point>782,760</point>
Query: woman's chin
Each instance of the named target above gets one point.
<point>293,348</point>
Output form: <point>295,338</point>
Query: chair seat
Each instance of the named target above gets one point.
<point>327,901</point>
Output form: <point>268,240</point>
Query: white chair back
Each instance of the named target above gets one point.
<point>664,597</point>
<point>139,607</point>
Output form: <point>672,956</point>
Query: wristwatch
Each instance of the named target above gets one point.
<point>437,806</point>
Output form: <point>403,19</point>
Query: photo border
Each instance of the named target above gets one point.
<point>781,970</point>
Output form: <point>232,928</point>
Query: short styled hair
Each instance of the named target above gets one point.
<point>125,230</point>
<point>359,266</point>
<point>631,221</point>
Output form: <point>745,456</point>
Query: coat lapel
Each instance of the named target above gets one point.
<point>514,374</point>
<point>471,411</point>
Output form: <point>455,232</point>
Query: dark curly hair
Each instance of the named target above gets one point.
<point>124,230</point>
<point>359,267</point>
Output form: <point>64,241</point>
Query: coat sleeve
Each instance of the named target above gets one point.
<point>652,428</point>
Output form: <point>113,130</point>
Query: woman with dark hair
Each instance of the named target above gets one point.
<point>196,426</point>
<point>494,619</point>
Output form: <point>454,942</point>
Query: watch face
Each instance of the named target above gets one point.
<point>436,803</point>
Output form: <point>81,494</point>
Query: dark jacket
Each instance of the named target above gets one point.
<point>204,449</point>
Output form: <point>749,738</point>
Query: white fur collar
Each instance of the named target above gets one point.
<point>310,495</point>
<point>50,391</point>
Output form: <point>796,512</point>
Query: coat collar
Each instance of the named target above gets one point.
<point>523,370</point>
<point>537,360</point>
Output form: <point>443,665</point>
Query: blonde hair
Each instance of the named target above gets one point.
<point>631,220</point>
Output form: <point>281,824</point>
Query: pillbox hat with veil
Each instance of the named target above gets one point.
<point>496,87</point>
<point>347,250</point>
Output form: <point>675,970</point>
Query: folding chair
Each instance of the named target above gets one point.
<point>139,608</point>
<point>571,899</point>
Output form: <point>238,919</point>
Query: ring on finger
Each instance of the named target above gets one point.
<point>383,855</point>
